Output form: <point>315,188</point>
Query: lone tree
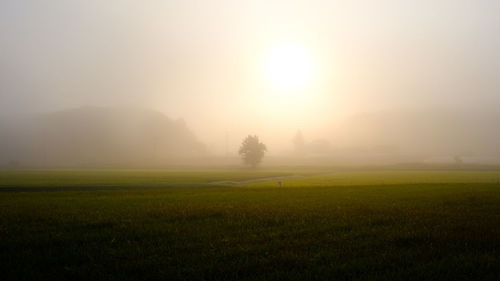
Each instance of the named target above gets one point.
<point>252,151</point>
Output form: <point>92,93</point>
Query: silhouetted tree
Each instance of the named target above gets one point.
<point>252,150</point>
<point>299,143</point>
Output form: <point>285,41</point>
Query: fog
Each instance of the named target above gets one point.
<point>87,82</point>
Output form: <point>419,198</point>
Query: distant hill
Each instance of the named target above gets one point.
<point>95,136</point>
<point>425,135</point>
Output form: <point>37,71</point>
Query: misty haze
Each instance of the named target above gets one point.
<point>250,140</point>
<point>426,85</point>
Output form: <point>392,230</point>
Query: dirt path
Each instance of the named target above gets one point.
<point>257,180</point>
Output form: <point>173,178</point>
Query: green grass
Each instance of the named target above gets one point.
<point>387,177</point>
<point>386,225</point>
<point>123,179</point>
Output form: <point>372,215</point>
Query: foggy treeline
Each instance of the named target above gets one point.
<point>113,136</point>
<point>431,135</point>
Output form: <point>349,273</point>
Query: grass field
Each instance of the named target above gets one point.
<point>239,225</point>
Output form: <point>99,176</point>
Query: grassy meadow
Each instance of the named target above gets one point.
<point>322,224</point>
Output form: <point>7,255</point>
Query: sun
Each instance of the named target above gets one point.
<point>289,68</point>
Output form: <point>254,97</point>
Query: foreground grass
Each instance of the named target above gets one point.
<point>398,231</point>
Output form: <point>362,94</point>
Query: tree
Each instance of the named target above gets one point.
<point>252,150</point>
<point>458,160</point>
<point>299,144</point>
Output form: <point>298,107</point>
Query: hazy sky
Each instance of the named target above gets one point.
<point>205,61</point>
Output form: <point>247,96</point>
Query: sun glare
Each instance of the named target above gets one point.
<point>289,68</point>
